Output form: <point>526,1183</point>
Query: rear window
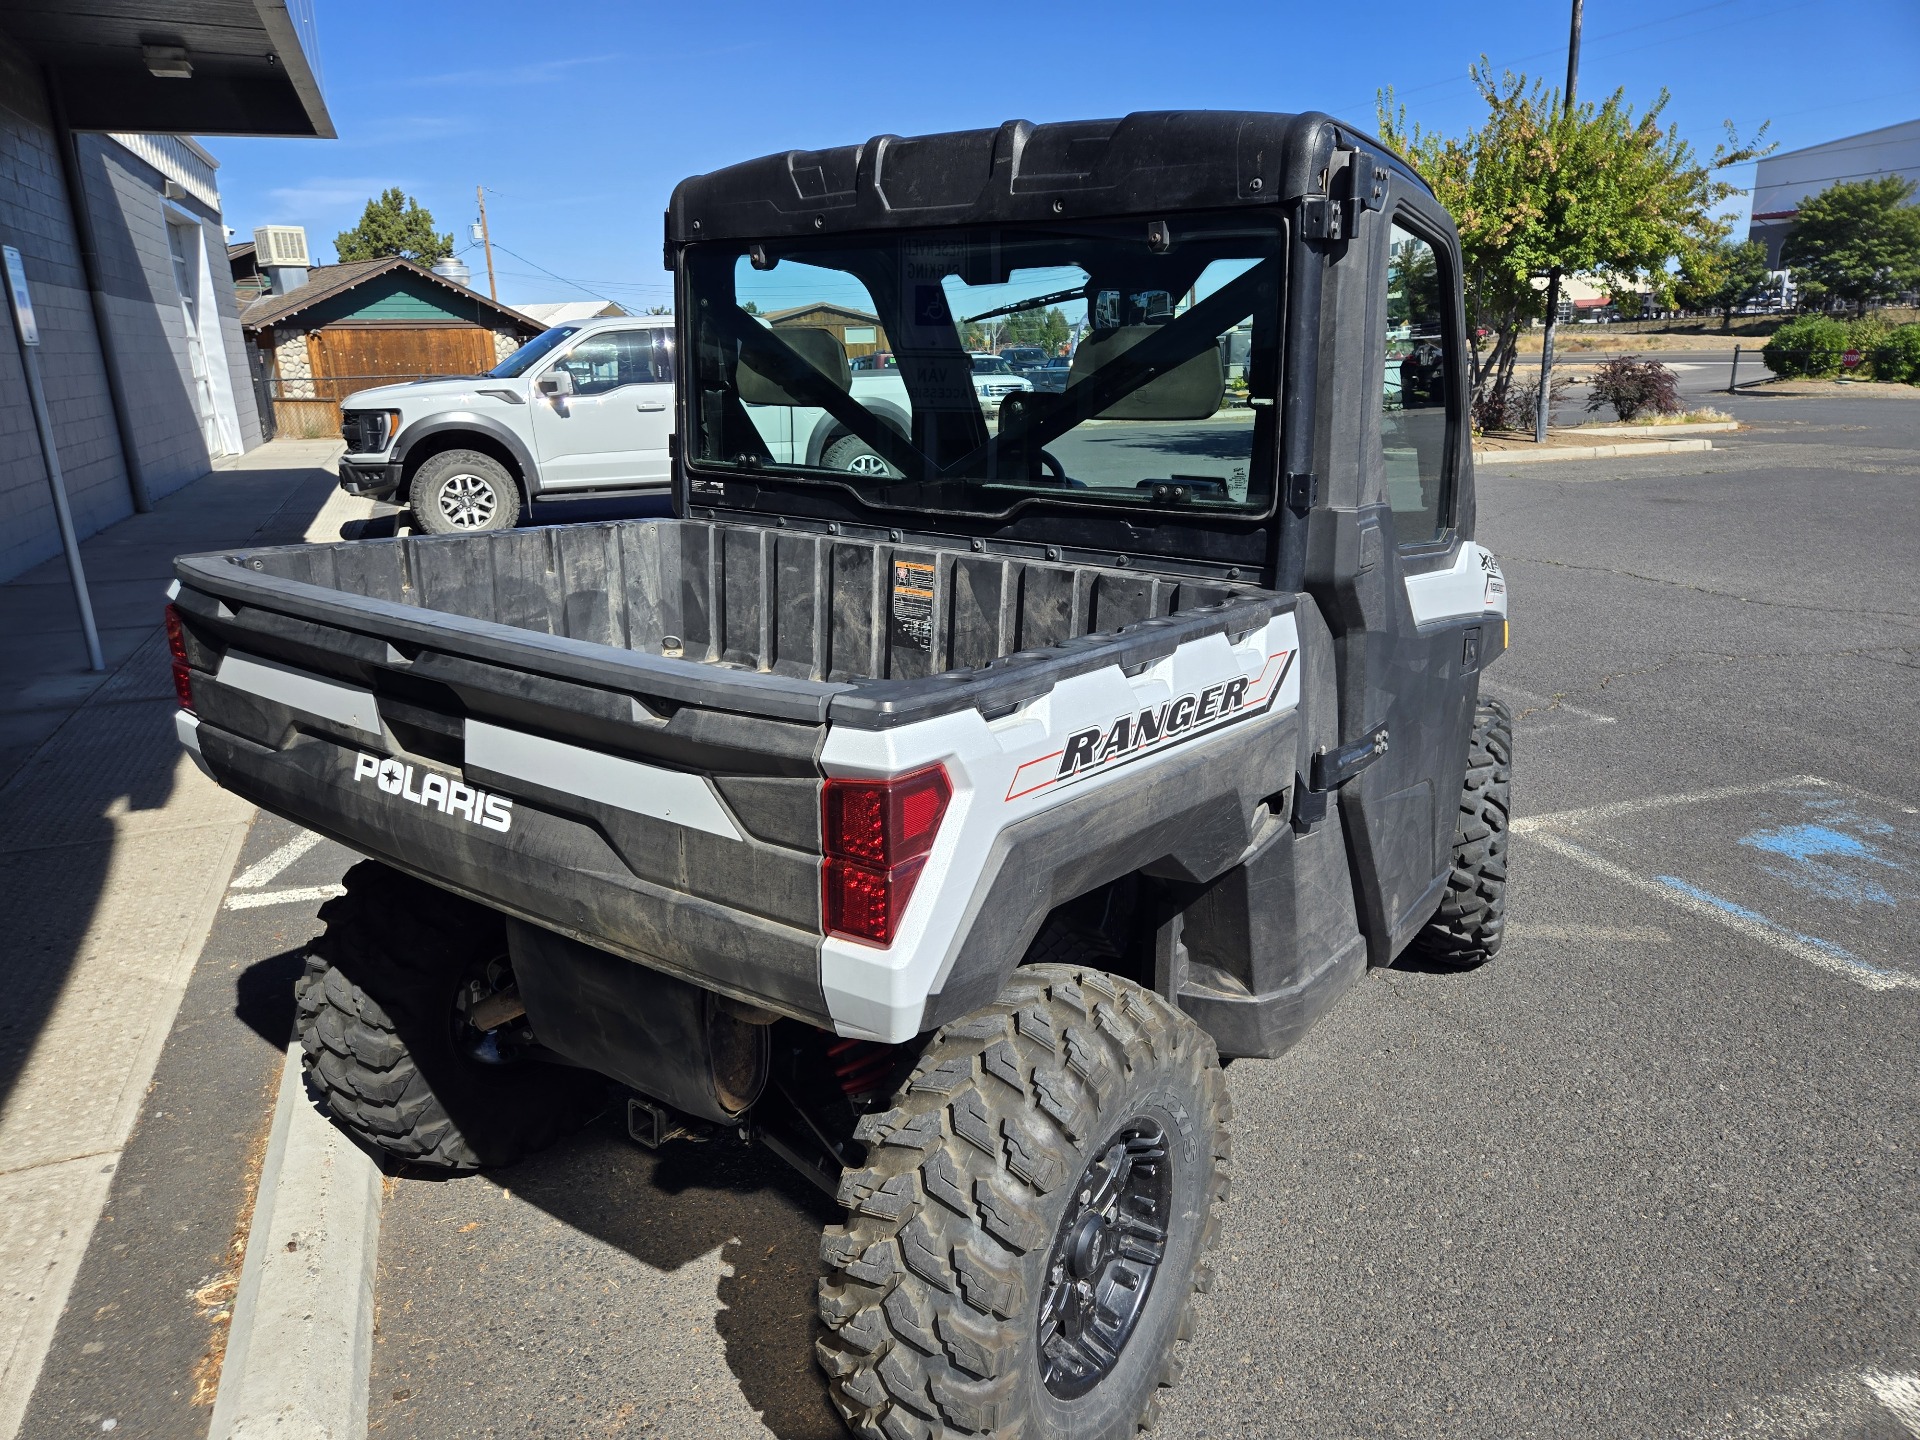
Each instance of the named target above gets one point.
<point>1172,361</point>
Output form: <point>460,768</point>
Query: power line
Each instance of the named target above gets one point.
<point>561,278</point>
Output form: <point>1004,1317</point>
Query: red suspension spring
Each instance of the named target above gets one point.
<point>861,1066</point>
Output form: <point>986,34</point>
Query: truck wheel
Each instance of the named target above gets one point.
<point>458,492</point>
<point>1467,928</point>
<point>850,452</point>
<point>1024,1243</point>
<point>383,1014</point>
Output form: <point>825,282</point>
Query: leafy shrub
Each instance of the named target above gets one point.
<point>1489,410</point>
<point>1633,386</point>
<point>1511,406</point>
<point>1806,349</point>
<point>1897,356</point>
<point>1867,333</point>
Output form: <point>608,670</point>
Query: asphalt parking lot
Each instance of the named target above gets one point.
<point>1652,1172</point>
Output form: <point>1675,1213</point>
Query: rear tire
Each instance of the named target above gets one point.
<point>1466,931</point>
<point>380,1022</point>
<point>463,492</point>
<point>954,1298</point>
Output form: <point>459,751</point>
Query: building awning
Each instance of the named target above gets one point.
<point>182,67</point>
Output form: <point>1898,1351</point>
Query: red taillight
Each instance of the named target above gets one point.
<point>877,834</point>
<point>182,672</point>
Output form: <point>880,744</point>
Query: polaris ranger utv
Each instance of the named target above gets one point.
<point>942,812</point>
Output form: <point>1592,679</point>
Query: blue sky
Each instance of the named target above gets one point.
<point>580,117</point>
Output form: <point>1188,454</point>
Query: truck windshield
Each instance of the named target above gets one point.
<point>873,363</point>
<point>518,362</point>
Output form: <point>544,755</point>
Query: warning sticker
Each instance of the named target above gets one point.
<point>913,602</point>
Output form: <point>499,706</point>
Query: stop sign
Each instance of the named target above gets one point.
<point>1850,359</point>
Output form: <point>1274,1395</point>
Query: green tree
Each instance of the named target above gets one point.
<point>1037,327</point>
<point>1857,241</point>
<point>1596,190</point>
<point>395,224</point>
<point>1723,277</point>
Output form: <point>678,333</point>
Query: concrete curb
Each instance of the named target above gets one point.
<point>1588,452</point>
<point>301,1345</point>
<point>1661,432</point>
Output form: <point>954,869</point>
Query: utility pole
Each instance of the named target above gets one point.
<point>1543,405</point>
<point>486,243</point>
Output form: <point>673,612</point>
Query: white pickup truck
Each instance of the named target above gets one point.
<point>582,409</point>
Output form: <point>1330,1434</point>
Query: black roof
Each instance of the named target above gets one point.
<point>1148,162</point>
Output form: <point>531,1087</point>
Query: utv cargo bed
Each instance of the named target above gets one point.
<point>619,731</point>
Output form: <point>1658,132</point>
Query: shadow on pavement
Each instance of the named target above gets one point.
<point>668,1211</point>
<point>98,761</point>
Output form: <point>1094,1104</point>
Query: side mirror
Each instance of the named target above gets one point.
<point>555,384</point>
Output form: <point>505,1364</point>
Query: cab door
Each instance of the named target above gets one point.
<point>612,430</point>
<point>1412,642</point>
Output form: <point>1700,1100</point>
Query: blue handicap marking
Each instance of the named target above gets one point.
<point>1814,867</point>
<point>1835,863</point>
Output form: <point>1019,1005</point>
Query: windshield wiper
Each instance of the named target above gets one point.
<point>1033,304</point>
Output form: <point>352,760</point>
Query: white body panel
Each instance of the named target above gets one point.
<point>676,796</point>
<point>1006,770</point>
<point>589,442</point>
<point>1472,585</point>
<point>347,705</point>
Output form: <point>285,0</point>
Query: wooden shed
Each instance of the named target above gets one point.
<point>367,323</point>
<point>858,331</point>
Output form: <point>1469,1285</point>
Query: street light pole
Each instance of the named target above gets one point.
<point>1543,402</point>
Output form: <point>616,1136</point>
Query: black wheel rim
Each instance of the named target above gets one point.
<point>1105,1256</point>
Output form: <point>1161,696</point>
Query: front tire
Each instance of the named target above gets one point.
<point>1466,931</point>
<point>1024,1242</point>
<point>853,454</point>
<point>463,492</point>
<point>382,1023</point>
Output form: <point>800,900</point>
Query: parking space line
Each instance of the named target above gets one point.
<point>1553,705</point>
<point>1846,1403</point>
<point>1899,1395</point>
<point>256,899</point>
<point>1755,926</point>
<point>266,870</point>
<point>1530,824</point>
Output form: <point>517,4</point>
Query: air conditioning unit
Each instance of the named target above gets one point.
<point>280,245</point>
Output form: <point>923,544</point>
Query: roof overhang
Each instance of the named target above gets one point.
<point>252,65</point>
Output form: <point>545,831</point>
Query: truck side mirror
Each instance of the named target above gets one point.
<point>556,384</point>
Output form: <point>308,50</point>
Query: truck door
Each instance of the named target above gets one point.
<point>1411,648</point>
<point>613,429</point>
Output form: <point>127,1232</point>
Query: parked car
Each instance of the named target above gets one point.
<point>584,407</point>
<point>994,378</point>
<point>1024,357</point>
<point>1052,376</point>
<point>798,434</point>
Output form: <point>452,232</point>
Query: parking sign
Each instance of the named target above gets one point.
<point>22,302</point>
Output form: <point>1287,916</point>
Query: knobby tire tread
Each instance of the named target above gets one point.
<point>927,1299</point>
<point>1467,929</point>
<point>373,1008</point>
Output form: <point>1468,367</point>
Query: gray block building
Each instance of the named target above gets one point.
<point>116,214</point>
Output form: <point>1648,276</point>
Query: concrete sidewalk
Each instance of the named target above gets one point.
<point>117,852</point>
